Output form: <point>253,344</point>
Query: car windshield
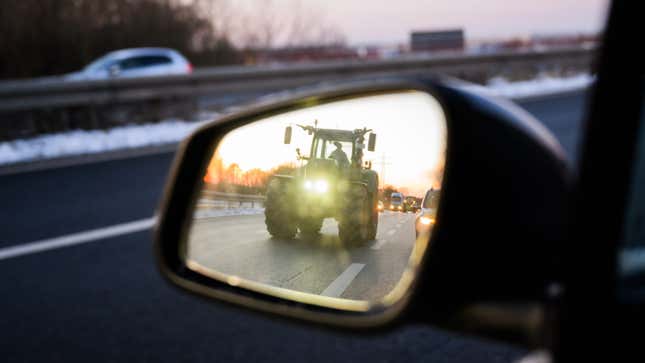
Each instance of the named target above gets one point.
<point>86,148</point>
<point>102,63</point>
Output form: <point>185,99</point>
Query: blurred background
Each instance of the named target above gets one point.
<point>49,37</point>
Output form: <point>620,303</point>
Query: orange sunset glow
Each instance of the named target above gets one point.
<point>410,142</point>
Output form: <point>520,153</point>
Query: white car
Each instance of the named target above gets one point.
<point>425,219</point>
<point>135,62</point>
<point>396,202</point>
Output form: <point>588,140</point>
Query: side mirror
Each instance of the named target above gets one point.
<point>371,143</point>
<point>484,270</point>
<point>287,135</point>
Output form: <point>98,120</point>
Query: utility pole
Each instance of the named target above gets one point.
<point>383,163</point>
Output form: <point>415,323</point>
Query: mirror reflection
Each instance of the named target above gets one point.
<point>334,200</point>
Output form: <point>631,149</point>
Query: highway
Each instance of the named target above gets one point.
<point>104,300</point>
<point>241,246</point>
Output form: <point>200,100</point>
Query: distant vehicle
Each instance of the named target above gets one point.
<point>396,202</point>
<point>134,62</point>
<point>426,218</point>
<point>412,204</point>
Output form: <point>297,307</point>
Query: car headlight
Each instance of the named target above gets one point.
<point>400,207</point>
<point>426,220</point>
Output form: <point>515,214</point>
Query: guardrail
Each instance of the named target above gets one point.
<point>239,199</point>
<point>34,107</point>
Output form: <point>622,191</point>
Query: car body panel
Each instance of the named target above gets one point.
<point>122,64</point>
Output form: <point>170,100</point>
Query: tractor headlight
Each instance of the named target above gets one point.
<point>318,186</point>
<point>321,186</point>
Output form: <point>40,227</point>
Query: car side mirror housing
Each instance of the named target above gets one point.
<point>484,263</point>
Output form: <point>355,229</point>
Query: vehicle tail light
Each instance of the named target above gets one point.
<point>189,68</point>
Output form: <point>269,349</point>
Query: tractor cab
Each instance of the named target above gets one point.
<point>328,144</point>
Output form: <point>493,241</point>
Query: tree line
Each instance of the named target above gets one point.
<point>44,37</point>
<point>49,37</point>
<point>232,179</point>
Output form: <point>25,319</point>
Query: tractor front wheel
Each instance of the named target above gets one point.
<point>278,214</point>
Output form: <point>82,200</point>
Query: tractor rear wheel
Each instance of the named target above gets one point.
<point>373,222</point>
<point>354,223</point>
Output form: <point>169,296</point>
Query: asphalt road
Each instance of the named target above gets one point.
<point>241,246</point>
<point>104,300</point>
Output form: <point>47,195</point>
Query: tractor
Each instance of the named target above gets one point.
<point>329,183</point>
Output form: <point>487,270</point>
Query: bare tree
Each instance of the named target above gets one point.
<point>268,26</point>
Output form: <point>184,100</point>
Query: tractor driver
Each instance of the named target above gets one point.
<point>339,155</point>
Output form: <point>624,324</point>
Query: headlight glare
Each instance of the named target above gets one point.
<point>426,220</point>
<point>321,186</point>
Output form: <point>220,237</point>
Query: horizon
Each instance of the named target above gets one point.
<point>379,23</point>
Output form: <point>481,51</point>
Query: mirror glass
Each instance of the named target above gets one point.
<point>298,206</point>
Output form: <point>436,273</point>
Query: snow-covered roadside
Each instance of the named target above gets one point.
<point>211,213</point>
<point>81,142</point>
<point>540,86</point>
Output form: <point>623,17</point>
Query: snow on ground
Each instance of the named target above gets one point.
<point>81,142</point>
<point>212,213</point>
<point>93,141</point>
<point>543,85</point>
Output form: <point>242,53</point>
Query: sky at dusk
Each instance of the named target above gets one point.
<point>410,129</point>
<point>390,22</point>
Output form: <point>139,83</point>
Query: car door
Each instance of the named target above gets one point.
<point>604,287</point>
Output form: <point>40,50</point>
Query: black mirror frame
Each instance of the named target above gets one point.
<point>472,120</point>
<point>190,163</point>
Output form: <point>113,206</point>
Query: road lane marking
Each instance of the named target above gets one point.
<point>338,286</point>
<point>391,232</point>
<point>378,244</point>
<point>76,238</point>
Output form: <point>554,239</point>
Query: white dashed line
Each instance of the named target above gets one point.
<point>76,238</point>
<point>338,286</point>
<point>378,244</point>
<point>391,232</point>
